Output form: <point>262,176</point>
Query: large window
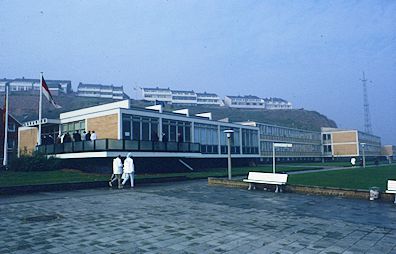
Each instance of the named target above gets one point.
<point>205,134</point>
<point>235,140</point>
<point>73,126</point>
<point>249,141</point>
<point>176,131</point>
<point>139,127</point>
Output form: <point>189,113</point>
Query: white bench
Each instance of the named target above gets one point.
<point>266,178</point>
<point>392,188</point>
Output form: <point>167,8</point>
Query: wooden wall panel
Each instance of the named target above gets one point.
<point>104,126</point>
<point>27,141</point>
<point>344,137</point>
<point>346,149</point>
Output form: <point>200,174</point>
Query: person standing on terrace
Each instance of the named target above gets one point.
<point>88,136</point>
<point>93,136</point>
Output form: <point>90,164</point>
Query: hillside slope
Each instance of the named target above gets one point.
<point>25,108</point>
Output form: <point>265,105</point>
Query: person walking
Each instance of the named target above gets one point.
<point>353,161</point>
<point>117,172</point>
<point>129,170</point>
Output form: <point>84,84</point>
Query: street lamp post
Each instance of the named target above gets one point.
<point>273,152</point>
<point>364,155</point>
<point>229,133</point>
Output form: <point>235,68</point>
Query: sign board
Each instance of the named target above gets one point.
<point>282,145</point>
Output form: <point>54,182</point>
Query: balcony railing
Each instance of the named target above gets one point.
<point>101,145</point>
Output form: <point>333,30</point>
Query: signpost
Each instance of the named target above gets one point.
<point>229,133</point>
<point>273,152</point>
<point>364,155</point>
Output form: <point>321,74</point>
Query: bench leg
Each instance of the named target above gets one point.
<point>250,186</point>
<point>277,189</point>
<point>395,200</point>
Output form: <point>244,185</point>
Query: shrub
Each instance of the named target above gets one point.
<point>35,162</point>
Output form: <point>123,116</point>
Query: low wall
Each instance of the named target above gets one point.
<point>313,190</point>
<point>11,190</point>
<point>154,164</point>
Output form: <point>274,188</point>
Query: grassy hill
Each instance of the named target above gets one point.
<point>25,108</point>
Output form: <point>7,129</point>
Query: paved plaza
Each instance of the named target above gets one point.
<point>192,217</point>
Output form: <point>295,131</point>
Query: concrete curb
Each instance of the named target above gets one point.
<point>11,190</point>
<point>312,190</point>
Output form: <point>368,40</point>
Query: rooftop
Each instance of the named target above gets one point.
<point>244,97</point>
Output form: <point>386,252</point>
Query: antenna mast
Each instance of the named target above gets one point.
<point>367,121</point>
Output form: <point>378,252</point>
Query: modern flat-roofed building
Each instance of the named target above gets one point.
<point>277,103</point>
<point>148,133</point>
<point>349,143</point>
<point>249,101</point>
<point>33,85</point>
<point>101,91</point>
<point>306,145</point>
<point>254,102</point>
<point>157,94</point>
<point>209,99</point>
<point>12,135</point>
<point>389,151</point>
<point>182,97</point>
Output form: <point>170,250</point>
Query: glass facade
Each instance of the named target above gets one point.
<point>272,132</point>
<point>176,131</point>
<point>249,141</point>
<point>305,143</point>
<point>73,126</point>
<point>298,149</point>
<point>234,139</point>
<point>139,127</point>
<point>207,136</point>
<point>372,144</point>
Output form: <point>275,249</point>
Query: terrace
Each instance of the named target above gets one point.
<point>101,145</point>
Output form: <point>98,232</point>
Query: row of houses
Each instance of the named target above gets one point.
<point>155,95</point>
<point>58,87</point>
<point>33,85</point>
<point>197,139</point>
<point>180,97</point>
<point>191,98</point>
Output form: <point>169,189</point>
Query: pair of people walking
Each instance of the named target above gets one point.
<point>124,171</point>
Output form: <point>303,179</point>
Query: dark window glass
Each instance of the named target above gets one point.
<point>126,128</point>
<point>145,131</point>
<point>172,133</point>
<point>135,130</point>
<point>187,134</point>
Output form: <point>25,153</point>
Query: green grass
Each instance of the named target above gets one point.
<point>351,178</point>
<point>10,178</point>
<point>320,164</point>
<point>328,164</point>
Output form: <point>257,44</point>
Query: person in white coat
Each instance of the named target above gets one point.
<point>353,161</point>
<point>117,172</point>
<point>129,170</point>
<point>93,136</point>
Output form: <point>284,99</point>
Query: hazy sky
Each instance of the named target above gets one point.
<point>312,53</point>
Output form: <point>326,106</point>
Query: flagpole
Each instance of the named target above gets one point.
<point>40,109</point>
<point>5,158</point>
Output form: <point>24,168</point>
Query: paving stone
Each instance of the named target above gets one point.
<point>192,217</point>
